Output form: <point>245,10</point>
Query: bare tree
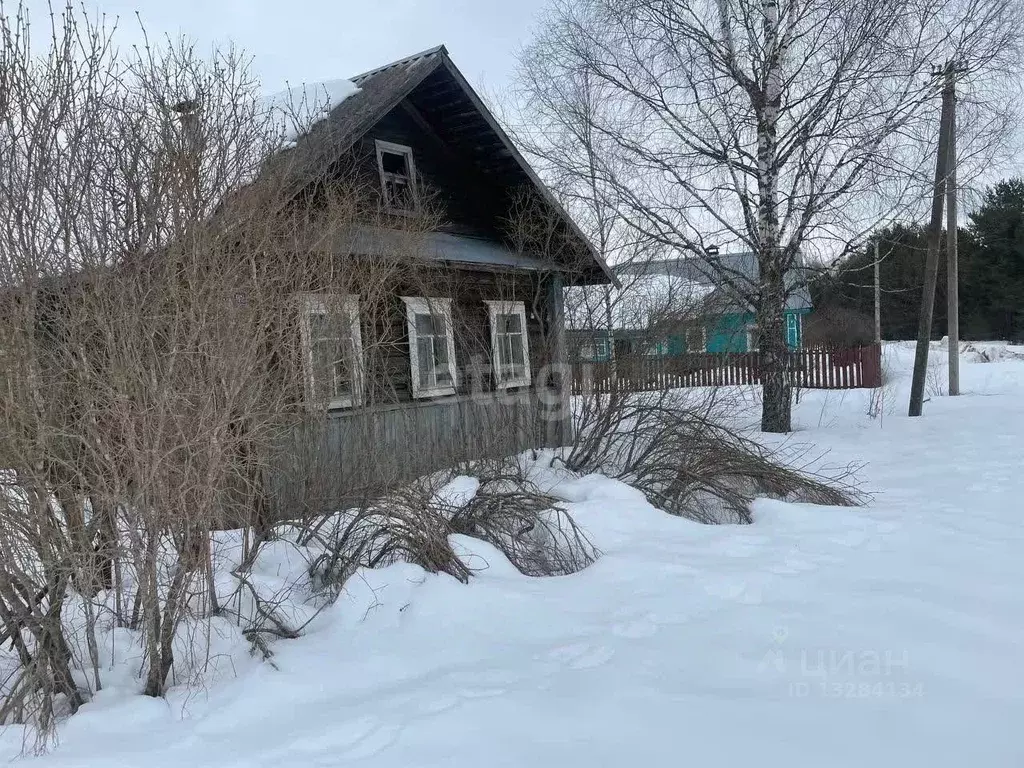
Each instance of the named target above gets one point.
<point>150,269</point>
<point>788,128</point>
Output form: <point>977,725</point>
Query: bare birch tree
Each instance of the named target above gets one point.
<point>788,128</point>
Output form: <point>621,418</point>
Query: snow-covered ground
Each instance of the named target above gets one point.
<point>887,635</point>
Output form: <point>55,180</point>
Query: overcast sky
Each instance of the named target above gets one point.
<point>311,40</point>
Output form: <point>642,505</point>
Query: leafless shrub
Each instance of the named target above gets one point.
<point>676,450</point>
<point>150,372</point>
<point>935,377</point>
<point>528,526</point>
<point>882,395</point>
<point>413,524</point>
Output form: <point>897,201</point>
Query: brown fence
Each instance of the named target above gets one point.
<point>859,367</point>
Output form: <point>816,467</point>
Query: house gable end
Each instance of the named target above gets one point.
<point>460,151</point>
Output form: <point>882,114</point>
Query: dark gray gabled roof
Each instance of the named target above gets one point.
<point>440,246</point>
<point>429,80</point>
<point>741,269</point>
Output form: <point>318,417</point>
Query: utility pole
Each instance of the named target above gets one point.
<point>952,267</point>
<point>931,269</point>
<point>878,299</point>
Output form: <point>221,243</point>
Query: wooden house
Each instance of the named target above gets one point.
<point>471,365</point>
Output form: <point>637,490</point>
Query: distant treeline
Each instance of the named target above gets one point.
<point>991,262</point>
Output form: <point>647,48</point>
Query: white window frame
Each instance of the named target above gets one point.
<point>325,304</point>
<point>690,332</point>
<point>793,323</point>
<point>494,309</point>
<point>420,305</point>
<point>657,349</point>
<point>751,331</point>
<point>397,149</point>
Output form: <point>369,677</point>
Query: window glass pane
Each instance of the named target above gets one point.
<point>509,323</point>
<point>440,351</point>
<point>399,194</point>
<point>516,356</point>
<point>322,360</point>
<point>342,374</point>
<point>318,325</point>
<point>424,325</point>
<point>425,353</point>
<point>440,325</point>
<point>393,162</point>
<point>503,356</point>
<point>334,325</point>
<point>331,368</point>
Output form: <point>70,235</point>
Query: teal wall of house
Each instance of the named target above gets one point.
<point>729,333</point>
<point>726,334</point>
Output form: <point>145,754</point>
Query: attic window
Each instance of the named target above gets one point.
<point>397,177</point>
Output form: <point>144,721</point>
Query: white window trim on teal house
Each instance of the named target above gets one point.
<point>442,307</point>
<point>751,331</point>
<point>690,333</point>
<point>793,321</point>
<point>657,349</point>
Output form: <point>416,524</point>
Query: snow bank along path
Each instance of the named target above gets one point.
<point>889,635</point>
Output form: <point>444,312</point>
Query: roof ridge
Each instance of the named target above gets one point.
<point>401,62</point>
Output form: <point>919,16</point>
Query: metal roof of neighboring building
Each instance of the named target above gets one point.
<point>740,268</point>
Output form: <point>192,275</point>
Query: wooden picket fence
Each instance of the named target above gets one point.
<point>859,367</point>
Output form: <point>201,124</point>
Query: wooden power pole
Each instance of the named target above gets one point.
<point>878,298</point>
<point>952,267</point>
<point>931,268</point>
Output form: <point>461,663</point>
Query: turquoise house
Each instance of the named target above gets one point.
<point>671,307</point>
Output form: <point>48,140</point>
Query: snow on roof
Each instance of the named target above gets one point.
<point>296,109</point>
<point>741,269</point>
<point>642,302</point>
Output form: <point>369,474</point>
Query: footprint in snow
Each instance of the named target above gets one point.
<point>583,655</point>
<point>350,738</point>
<point>373,742</point>
<point>746,546</point>
<point>439,705</point>
<point>725,588</point>
<point>481,693</point>
<point>636,629</point>
<point>793,565</point>
<point>853,538</point>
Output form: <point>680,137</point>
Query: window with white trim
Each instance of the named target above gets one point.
<point>657,349</point>
<point>397,177</point>
<point>697,339</point>
<point>793,329</point>
<point>332,347</point>
<point>431,346</point>
<point>752,338</point>
<point>510,353</point>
